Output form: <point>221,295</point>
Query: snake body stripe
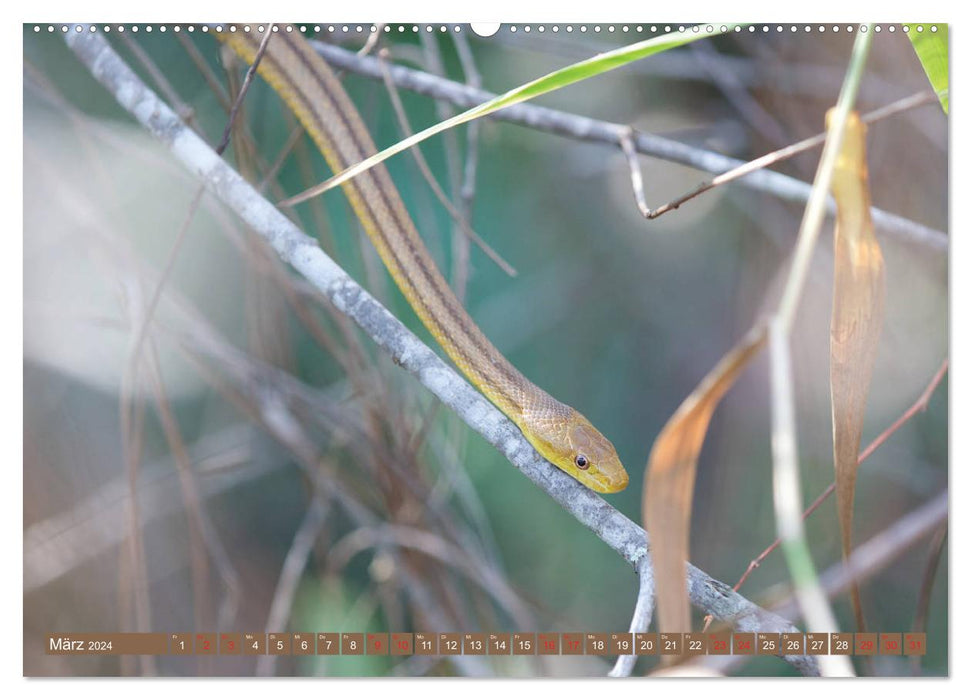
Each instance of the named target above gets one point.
<point>307,84</point>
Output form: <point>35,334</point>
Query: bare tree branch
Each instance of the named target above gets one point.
<point>290,574</point>
<point>586,129</point>
<point>303,253</point>
<point>765,161</point>
<point>877,552</point>
<point>59,544</point>
<point>867,559</point>
<point>641,619</point>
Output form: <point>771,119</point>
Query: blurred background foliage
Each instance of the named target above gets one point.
<point>615,315</point>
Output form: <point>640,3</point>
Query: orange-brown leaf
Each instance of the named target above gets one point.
<point>670,481</point>
<point>858,298</point>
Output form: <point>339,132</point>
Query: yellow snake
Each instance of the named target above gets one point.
<point>307,84</point>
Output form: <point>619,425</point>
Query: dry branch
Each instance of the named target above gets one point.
<point>585,129</point>
<point>303,253</point>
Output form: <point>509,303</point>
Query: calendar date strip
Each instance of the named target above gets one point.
<point>488,644</point>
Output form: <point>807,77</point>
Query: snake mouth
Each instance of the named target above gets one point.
<point>601,481</point>
<point>609,483</point>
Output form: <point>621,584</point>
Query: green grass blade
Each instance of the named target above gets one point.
<point>931,48</point>
<point>601,63</point>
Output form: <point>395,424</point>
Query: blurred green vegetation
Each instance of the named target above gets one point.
<point>613,315</point>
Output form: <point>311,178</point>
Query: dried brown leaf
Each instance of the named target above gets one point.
<point>670,481</point>
<point>858,298</point>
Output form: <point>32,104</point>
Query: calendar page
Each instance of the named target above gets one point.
<point>514,350</point>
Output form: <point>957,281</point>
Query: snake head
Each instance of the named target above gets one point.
<point>584,453</point>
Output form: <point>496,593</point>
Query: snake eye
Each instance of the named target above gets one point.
<point>581,461</point>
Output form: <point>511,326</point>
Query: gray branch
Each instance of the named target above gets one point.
<point>586,129</point>
<point>641,619</point>
<point>873,556</point>
<point>879,551</point>
<point>303,253</point>
<point>290,575</point>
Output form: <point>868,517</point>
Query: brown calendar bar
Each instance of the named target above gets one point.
<point>572,643</point>
<point>671,643</point>
<point>254,643</point>
<point>646,643</point>
<point>205,644</point>
<point>500,644</point>
<point>302,643</point>
<point>598,644</point>
<point>377,644</point>
<point>743,643</point>
<point>523,643</point>
<point>793,643</point>
<point>107,644</point>
<point>890,644</point>
<point>352,643</point>
<point>278,643</point>
<point>866,644</point>
<point>720,643</point>
<point>180,643</point>
<point>548,643</point>
<point>328,643</point>
<point>492,644</point>
<point>402,643</point>
<point>817,643</point>
<point>426,644</point>
<point>621,643</point>
<point>768,643</point>
<point>695,643</point>
<point>230,644</point>
<point>474,644</point>
<point>915,644</point>
<point>841,643</point>
<point>450,644</point>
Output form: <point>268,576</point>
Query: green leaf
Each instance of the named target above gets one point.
<point>601,63</point>
<point>931,48</point>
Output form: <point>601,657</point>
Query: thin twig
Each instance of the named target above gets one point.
<point>181,108</point>
<point>926,587</point>
<point>58,545</point>
<point>430,544</point>
<point>472,131</point>
<point>641,620</point>
<point>198,561</point>
<point>372,40</point>
<point>204,537</point>
<point>238,102</point>
<point>585,129</point>
<point>288,146</point>
<point>132,435</point>
<point>787,493</point>
<point>902,105</point>
<point>636,179</point>
<point>303,253</point>
<point>430,177</point>
<point>431,61</point>
<point>865,561</point>
<point>812,218</point>
<point>263,391</point>
<point>149,313</point>
<point>918,406</point>
<point>205,70</point>
<point>737,93</point>
<point>290,574</point>
<point>787,499</point>
<point>134,595</point>
<point>880,550</point>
